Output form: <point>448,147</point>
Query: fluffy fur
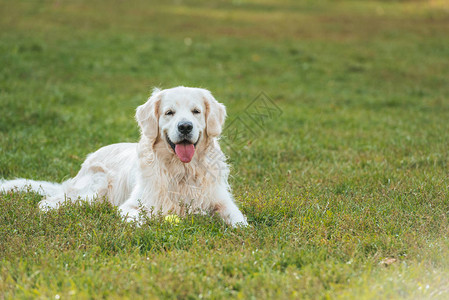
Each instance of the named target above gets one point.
<point>150,174</point>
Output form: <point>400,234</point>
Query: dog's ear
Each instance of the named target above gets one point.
<point>147,116</point>
<point>215,115</point>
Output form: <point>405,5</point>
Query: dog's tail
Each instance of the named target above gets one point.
<point>44,188</point>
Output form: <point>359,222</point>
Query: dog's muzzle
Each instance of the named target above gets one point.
<point>184,149</point>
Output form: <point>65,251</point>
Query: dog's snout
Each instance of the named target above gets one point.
<point>185,127</point>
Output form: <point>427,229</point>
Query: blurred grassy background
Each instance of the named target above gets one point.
<point>355,170</point>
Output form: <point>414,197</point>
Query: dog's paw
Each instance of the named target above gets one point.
<point>240,223</point>
<point>48,204</point>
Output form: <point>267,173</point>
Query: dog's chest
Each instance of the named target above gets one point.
<point>186,189</point>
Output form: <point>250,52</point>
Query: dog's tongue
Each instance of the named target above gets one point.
<point>185,152</point>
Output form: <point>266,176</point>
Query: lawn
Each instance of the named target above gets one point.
<point>344,182</point>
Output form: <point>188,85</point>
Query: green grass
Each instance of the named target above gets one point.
<point>354,171</point>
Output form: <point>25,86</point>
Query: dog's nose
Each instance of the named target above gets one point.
<point>185,127</point>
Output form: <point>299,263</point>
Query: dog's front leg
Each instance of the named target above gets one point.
<point>130,209</point>
<point>228,210</point>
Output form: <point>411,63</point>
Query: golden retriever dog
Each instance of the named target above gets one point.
<point>176,167</point>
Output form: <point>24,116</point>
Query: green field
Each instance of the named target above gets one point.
<point>346,191</point>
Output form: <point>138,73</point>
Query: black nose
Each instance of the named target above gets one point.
<point>185,127</point>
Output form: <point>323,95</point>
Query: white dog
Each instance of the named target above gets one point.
<point>176,166</point>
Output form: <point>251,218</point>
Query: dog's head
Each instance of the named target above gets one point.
<point>181,117</point>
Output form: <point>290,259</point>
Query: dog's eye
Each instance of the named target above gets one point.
<point>196,111</point>
<point>169,113</point>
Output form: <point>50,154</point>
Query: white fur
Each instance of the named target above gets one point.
<point>149,174</point>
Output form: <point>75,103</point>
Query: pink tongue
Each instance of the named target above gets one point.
<point>185,152</point>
